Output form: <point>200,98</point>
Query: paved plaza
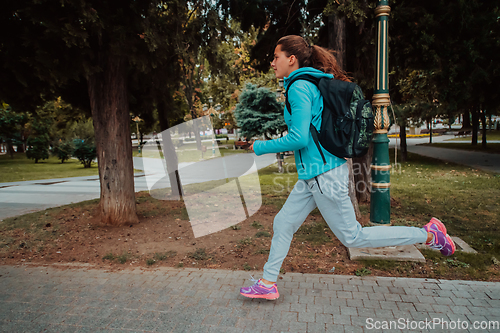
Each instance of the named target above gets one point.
<point>55,299</point>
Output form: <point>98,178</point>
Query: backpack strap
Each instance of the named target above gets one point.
<point>313,130</point>
<point>306,77</point>
<point>314,134</point>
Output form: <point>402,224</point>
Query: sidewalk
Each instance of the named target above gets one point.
<point>474,159</point>
<point>35,299</point>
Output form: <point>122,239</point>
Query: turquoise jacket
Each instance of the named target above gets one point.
<point>307,106</point>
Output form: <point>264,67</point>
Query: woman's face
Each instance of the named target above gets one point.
<point>282,64</point>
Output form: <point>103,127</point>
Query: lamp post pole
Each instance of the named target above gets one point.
<point>380,203</point>
<point>211,113</point>
<point>137,120</point>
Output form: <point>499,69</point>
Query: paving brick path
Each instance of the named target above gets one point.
<point>50,299</point>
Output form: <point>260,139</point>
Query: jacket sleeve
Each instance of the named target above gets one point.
<point>300,99</point>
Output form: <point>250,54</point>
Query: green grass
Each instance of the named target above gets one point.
<point>490,135</point>
<point>490,147</point>
<point>121,258</point>
<point>493,148</point>
<point>262,234</point>
<point>316,233</point>
<point>262,251</point>
<point>466,200</point>
<point>362,272</point>
<point>245,242</point>
<point>163,256</point>
<point>199,254</point>
<point>247,267</point>
<point>41,228</point>
<point>20,168</point>
<point>109,256</point>
<point>256,225</point>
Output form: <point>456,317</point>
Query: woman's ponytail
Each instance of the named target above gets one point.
<point>312,56</point>
<point>325,61</point>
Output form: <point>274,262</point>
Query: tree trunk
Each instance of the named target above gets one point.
<point>337,38</point>
<point>466,120</point>
<point>10,149</point>
<point>483,119</point>
<point>352,189</point>
<point>404,145</point>
<point>475,125</point>
<point>169,150</point>
<point>189,93</point>
<point>20,148</point>
<point>110,113</point>
<point>429,122</point>
<point>280,162</point>
<point>363,175</point>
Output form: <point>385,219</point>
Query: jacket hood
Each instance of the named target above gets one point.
<point>306,70</point>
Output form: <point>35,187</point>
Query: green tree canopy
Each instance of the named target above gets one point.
<point>102,56</point>
<point>12,127</point>
<point>38,139</point>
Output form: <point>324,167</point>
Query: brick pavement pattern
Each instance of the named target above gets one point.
<point>51,299</point>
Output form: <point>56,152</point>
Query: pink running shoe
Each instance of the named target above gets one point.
<point>442,241</point>
<point>260,291</point>
<point>439,225</point>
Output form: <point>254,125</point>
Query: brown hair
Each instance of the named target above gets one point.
<point>312,56</point>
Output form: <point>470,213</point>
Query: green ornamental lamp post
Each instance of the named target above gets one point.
<point>380,203</point>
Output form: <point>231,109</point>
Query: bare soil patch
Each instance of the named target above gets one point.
<point>163,237</point>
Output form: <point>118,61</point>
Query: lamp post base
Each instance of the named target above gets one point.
<point>380,202</point>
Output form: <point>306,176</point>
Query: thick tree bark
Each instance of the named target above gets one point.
<point>169,151</point>
<point>110,113</point>
<point>337,38</point>
<point>363,176</point>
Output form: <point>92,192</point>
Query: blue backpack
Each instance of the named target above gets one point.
<point>347,121</point>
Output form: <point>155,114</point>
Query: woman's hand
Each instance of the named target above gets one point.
<point>251,146</point>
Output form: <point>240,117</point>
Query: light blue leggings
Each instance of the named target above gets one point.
<point>332,199</point>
